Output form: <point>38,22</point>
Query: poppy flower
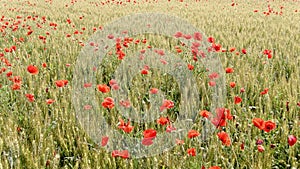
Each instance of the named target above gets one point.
<point>213,75</point>
<point>214,167</point>
<point>16,86</point>
<point>260,148</point>
<point>9,74</point>
<point>229,70</point>
<point>144,72</point>
<point>103,88</point>
<point>178,34</point>
<point>232,49</point>
<point>269,125</point>
<point>265,91</point>
<point>198,36</point>
<point>193,133</point>
<point>108,103</point>
<point>104,141</point>
<point>61,83</point>
<point>125,103</point>
<point>223,136</point>
<point>221,115</point>
<point>259,142</point>
<point>242,146</point>
<point>167,104</point>
<point>292,140</point>
<point>217,47</point>
<point>49,101</point>
<point>212,83</point>
<point>232,84</point>
<point>124,154</point>
<point>147,141</point>
<point>163,121</point>
<point>112,82</point>
<point>170,128</point>
<point>115,87</point>
<point>187,36</point>
<point>149,133</point>
<point>32,69</point>
<point>244,51</point>
<point>191,151</point>
<point>259,123</point>
<point>210,39</point>
<point>190,67</point>
<point>237,100</point>
<point>30,97</point>
<point>205,113</point>
<point>126,127</point>
<point>153,90</point>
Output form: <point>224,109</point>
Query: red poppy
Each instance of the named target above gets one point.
<point>223,136</point>
<point>124,154</point>
<point>260,148</point>
<point>125,103</point>
<point>259,123</point>
<point>108,103</point>
<point>292,140</point>
<point>16,86</point>
<point>244,51</point>
<point>115,87</point>
<point>237,100</point>
<point>214,167</point>
<point>190,67</point>
<point>232,84</point>
<point>126,127</point>
<point>265,91</point>
<point>167,104</point>
<point>163,120</point>
<point>103,88</point>
<point>8,74</point>
<point>198,36</point>
<point>221,116</point>
<point>30,97</point>
<point>212,83</point>
<point>170,128</point>
<point>149,133</point>
<point>144,72</point>
<point>193,133</point>
<point>187,36</point>
<point>217,47</point>
<point>178,34</point>
<point>112,82</point>
<point>269,125</point>
<point>104,141</point>
<point>205,113</point>
<point>147,141</point>
<point>232,49</point>
<point>191,151</point>
<point>61,83</point>
<point>50,101</point>
<point>32,69</point>
<point>179,141</point>
<point>229,70</point>
<point>210,39</point>
<point>153,90</point>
